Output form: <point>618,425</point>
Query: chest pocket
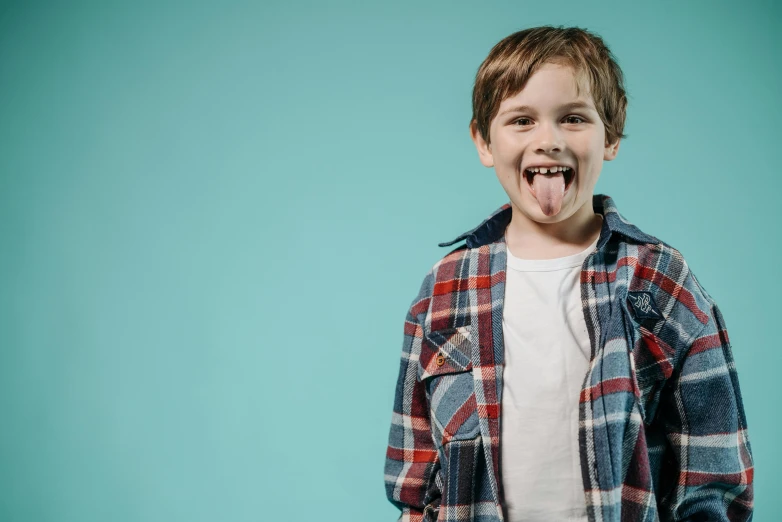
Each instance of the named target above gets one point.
<point>653,366</point>
<point>445,367</point>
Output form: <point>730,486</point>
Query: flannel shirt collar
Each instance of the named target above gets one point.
<point>493,227</point>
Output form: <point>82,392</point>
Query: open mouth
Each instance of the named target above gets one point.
<point>568,174</point>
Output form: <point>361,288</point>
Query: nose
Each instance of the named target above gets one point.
<point>549,139</point>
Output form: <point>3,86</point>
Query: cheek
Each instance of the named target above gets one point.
<point>508,154</point>
<point>508,180</point>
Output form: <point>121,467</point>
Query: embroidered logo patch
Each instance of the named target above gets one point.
<point>644,305</point>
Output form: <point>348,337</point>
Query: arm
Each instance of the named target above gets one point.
<point>707,430</point>
<point>412,465</point>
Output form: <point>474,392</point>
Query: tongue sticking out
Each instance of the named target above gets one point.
<point>549,189</point>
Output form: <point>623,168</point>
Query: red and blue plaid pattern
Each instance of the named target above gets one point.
<point>663,434</point>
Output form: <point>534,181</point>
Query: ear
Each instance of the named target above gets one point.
<point>484,149</point>
<point>611,150</point>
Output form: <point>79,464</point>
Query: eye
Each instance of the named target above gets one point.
<point>521,119</point>
<point>576,117</point>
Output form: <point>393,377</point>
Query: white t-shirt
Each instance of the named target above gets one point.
<point>547,356</point>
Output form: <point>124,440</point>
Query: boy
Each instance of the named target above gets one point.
<point>562,364</point>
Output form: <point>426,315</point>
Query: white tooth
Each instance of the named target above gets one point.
<point>544,170</point>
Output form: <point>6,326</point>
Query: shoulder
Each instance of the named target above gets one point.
<point>460,269</point>
<point>662,274</point>
<point>437,273</point>
<point>675,274</point>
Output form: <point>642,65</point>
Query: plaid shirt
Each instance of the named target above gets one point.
<point>662,431</point>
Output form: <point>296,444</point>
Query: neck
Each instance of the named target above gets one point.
<point>529,239</point>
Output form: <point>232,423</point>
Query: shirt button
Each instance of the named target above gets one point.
<point>440,360</point>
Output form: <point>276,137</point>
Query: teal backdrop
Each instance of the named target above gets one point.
<point>214,217</point>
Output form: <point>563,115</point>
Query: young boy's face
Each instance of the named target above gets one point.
<point>540,126</point>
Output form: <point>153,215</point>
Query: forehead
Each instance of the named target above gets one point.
<point>552,84</point>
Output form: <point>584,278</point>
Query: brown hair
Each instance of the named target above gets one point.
<point>515,58</point>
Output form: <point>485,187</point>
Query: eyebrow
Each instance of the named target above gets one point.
<point>567,106</point>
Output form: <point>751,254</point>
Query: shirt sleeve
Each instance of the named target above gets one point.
<point>412,465</point>
<point>706,428</point>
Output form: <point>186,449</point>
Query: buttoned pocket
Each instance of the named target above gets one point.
<point>653,367</point>
<point>445,367</point>
<point>647,332</point>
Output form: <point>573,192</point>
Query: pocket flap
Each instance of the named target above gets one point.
<point>445,351</point>
<point>653,359</point>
